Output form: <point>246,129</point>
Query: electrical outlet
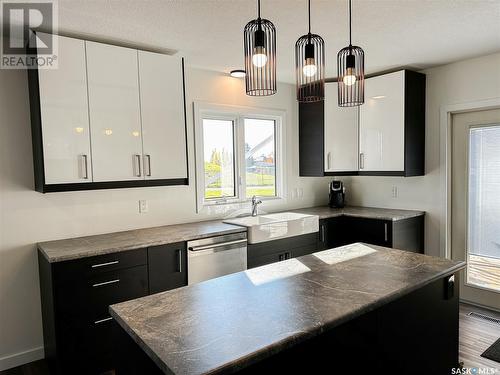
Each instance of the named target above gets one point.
<point>143,206</point>
<point>394,191</point>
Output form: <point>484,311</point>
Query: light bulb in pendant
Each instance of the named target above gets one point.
<point>259,57</point>
<point>310,67</point>
<point>349,78</point>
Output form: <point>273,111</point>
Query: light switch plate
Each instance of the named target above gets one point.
<point>143,206</point>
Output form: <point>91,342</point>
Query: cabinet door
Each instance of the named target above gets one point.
<point>167,265</point>
<point>162,113</point>
<point>341,133</point>
<point>371,231</point>
<point>381,124</point>
<point>332,233</point>
<point>64,113</point>
<point>114,113</point>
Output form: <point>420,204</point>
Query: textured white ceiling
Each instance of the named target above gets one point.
<point>393,33</point>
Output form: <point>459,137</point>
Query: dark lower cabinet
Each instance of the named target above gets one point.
<point>75,296</point>
<point>263,253</point>
<point>405,234</point>
<point>79,334</point>
<point>331,233</point>
<point>167,267</point>
<point>372,231</point>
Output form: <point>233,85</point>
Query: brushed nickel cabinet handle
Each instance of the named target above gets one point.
<point>328,160</point>
<point>106,283</point>
<point>138,161</point>
<point>105,264</point>
<point>385,232</point>
<point>85,167</point>
<point>147,158</point>
<point>179,261</point>
<point>103,320</point>
<point>361,160</point>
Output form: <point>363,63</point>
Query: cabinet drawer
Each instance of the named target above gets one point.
<point>90,298</point>
<point>92,266</point>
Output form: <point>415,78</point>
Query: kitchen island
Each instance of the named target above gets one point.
<point>357,308</point>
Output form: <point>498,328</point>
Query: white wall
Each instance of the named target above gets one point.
<point>27,217</point>
<point>460,82</point>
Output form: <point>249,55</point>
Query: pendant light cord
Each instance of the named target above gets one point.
<point>350,29</point>
<point>258,8</point>
<point>309,16</point>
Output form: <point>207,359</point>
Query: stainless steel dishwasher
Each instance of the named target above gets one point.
<point>216,256</point>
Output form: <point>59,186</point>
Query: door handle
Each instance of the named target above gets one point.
<point>179,260</point>
<point>138,161</point>
<point>385,232</point>
<point>361,160</point>
<point>328,160</point>
<point>323,237</point>
<point>85,167</point>
<point>147,158</point>
<point>198,248</point>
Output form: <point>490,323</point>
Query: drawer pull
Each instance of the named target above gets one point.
<point>103,320</point>
<point>385,232</point>
<point>106,283</point>
<point>105,264</point>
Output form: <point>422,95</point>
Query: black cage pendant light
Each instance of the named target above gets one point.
<point>260,56</point>
<point>351,73</point>
<point>310,66</point>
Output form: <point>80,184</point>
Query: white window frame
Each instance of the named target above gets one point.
<point>237,114</point>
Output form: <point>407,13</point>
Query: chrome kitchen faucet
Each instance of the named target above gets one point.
<point>255,203</point>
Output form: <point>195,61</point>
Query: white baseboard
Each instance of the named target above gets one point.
<point>21,358</point>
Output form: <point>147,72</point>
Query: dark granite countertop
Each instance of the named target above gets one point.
<point>227,323</point>
<point>325,212</point>
<point>81,247</point>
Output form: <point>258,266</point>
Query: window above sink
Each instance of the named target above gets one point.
<point>239,154</point>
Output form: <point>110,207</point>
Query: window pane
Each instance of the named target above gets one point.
<point>218,158</point>
<point>260,151</point>
<point>484,207</point>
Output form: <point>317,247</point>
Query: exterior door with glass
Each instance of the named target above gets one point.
<point>475,190</point>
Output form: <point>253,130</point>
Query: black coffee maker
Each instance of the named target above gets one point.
<point>337,194</point>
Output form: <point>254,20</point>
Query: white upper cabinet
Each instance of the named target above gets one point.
<point>382,124</point>
<point>64,116</point>
<point>341,133</point>
<point>115,122</point>
<point>162,113</point>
